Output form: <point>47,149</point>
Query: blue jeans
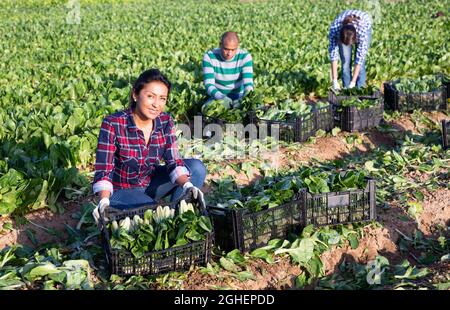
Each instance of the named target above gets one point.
<point>346,53</point>
<point>159,187</point>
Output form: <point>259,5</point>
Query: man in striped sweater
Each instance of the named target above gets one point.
<point>227,72</point>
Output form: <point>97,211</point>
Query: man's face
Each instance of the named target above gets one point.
<point>229,49</point>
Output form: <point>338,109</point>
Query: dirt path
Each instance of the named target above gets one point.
<point>39,223</point>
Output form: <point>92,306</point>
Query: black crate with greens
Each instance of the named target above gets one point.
<point>335,97</point>
<point>293,121</point>
<point>273,212</point>
<point>156,239</point>
<point>445,133</point>
<point>358,113</point>
<point>218,113</point>
<point>427,93</point>
<point>446,83</point>
<point>338,198</point>
<point>216,117</point>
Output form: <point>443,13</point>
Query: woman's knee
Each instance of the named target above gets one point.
<point>196,167</point>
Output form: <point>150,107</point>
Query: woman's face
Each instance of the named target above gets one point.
<point>151,100</point>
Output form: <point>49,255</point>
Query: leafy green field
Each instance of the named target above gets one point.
<point>58,80</point>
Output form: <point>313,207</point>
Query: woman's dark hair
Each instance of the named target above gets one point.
<point>146,77</point>
<point>348,35</point>
<point>348,31</point>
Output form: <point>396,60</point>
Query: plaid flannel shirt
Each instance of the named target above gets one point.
<point>123,160</point>
<point>362,26</point>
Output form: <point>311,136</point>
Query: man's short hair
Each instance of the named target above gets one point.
<point>229,35</point>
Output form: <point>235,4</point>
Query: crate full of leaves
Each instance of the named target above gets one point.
<point>338,198</point>
<point>274,212</point>
<point>336,97</point>
<point>157,239</point>
<point>358,113</point>
<point>428,93</point>
<point>445,133</point>
<point>217,114</point>
<point>293,121</point>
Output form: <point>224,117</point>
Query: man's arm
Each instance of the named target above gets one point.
<point>209,79</point>
<point>247,73</point>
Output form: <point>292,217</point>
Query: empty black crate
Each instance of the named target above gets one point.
<point>298,129</point>
<point>354,119</point>
<point>445,133</point>
<point>340,207</point>
<point>122,262</point>
<point>246,231</point>
<point>427,101</point>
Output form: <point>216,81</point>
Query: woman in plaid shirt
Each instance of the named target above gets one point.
<point>131,145</point>
<point>350,28</point>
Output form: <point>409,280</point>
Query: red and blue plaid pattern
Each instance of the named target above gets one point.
<point>362,26</point>
<point>123,160</point>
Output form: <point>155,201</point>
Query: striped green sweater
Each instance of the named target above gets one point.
<point>230,78</point>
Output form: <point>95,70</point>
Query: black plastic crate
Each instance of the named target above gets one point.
<point>427,101</point>
<point>220,124</point>
<point>446,133</point>
<point>122,262</point>
<point>354,119</point>
<point>446,83</point>
<point>298,129</point>
<point>335,99</point>
<point>246,231</point>
<point>340,207</point>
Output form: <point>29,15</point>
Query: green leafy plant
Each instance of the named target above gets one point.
<point>217,109</point>
<point>427,83</point>
<point>159,229</point>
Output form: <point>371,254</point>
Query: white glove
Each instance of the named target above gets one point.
<point>227,102</point>
<point>336,85</point>
<point>197,193</point>
<point>237,103</point>
<point>100,209</point>
<point>351,85</point>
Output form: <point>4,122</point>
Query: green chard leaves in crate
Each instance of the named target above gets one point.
<point>286,110</point>
<point>358,103</point>
<point>159,229</point>
<point>218,109</point>
<point>424,84</point>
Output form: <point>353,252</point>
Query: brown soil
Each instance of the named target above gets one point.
<point>375,242</point>
<point>404,124</point>
<point>436,211</point>
<point>434,217</point>
<point>397,221</point>
<point>436,116</point>
<point>326,148</point>
<point>39,221</point>
<point>279,275</point>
